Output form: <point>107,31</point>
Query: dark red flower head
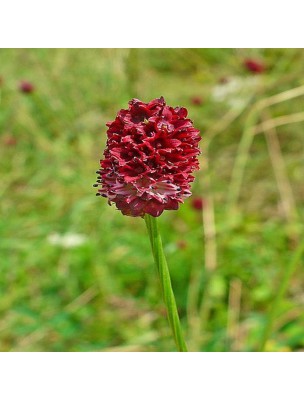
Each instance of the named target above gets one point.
<point>26,87</point>
<point>151,152</point>
<point>255,66</point>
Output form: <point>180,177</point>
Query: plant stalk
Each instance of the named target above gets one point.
<point>165,281</point>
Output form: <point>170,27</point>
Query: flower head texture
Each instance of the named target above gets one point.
<point>151,152</point>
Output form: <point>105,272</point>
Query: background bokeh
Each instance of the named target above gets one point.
<point>76,275</point>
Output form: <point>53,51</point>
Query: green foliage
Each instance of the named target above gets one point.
<point>103,294</point>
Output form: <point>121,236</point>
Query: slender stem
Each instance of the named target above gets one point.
<point>165,281</point>
<point>273,312</point>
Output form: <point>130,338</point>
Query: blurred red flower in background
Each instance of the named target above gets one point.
<point>26,87</point>
<point>181,244</point>
<point>9,140</point>
<point>197,203</point>
<point>197,100</point>
<point>151,152</point>
<point>254,66</point>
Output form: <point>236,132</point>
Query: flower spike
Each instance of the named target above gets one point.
<point>150,155</point>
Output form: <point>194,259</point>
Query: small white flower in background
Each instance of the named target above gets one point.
<point>237,92</point>
<point>67,240</point>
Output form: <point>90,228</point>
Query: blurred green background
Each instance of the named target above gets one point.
<point>76,275</point>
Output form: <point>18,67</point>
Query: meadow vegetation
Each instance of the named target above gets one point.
<point>76,275</point>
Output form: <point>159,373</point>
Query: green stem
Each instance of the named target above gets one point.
<point>288,272</point>
<point>165,281</point>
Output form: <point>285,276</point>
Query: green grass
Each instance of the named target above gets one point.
<point>104,295</point>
